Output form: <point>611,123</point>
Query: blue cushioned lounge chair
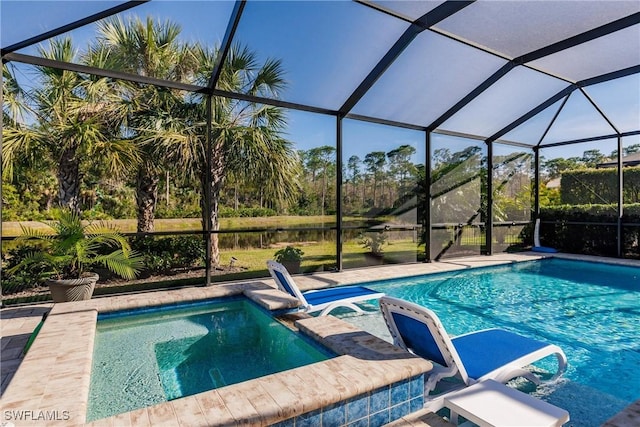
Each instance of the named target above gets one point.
<point>488,354</point>
<point>323,300</point>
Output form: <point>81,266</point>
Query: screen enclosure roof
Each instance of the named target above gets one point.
<point>531,73</point>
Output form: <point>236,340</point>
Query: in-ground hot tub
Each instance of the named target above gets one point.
<point>370,381</point>
<point>145,357</point>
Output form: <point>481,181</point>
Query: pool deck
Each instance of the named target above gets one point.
<point>52,380</point>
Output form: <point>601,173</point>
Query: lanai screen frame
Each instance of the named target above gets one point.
<point>417,26</point>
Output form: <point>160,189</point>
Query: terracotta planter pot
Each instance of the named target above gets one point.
<point>72,289</point>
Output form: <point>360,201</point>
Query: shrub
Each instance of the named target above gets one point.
<point>288,254</point>
<point>586,229</point>
<point>374,241</point>
<point>165,253</point>
<point>226,212</point>
<point>17,206</point>
<point>22,279</point>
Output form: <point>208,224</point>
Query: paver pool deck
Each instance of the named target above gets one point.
<point>52,380</point>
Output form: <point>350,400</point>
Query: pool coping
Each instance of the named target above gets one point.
<point>52,382</point>
<point>55,372</point>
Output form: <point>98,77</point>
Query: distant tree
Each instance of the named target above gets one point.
<point>440,156</point>
<point>631,149</point>
<point>353,166</point>
<point>320,160</point>
<point>591,158</point>
<point>375,163</point>
<point>401,166</point>
<point>456,185</point>
<point>458,165</point>
<point>554,167</point>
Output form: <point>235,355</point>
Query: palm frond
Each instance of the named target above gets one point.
<point>34,234</point>
<point>121,155</point>
<point>74,246</point>
<point>269,80</point>
<point>18,143</point>
<point>124,265</point>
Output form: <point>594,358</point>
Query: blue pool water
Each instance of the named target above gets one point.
<point>144,358</point>
<point>591,310</point>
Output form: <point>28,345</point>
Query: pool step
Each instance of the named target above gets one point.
<point>421,418</point>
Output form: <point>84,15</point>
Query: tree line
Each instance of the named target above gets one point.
<point>553,168</point>
<point>376,182</point>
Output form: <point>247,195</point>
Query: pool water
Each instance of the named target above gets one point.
<point>591,310</point>
<point>141,359</point>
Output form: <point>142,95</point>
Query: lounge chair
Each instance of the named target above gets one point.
<point>488,354</point>
<point>323,300</point>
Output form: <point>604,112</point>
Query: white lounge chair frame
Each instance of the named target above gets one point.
<point>454,366</point>
<point>291,288</point>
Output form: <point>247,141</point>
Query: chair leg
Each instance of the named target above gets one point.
<point>331,307</point>
<point>562,366</point>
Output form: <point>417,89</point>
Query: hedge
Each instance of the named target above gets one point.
<point>582,186</point>
<point>598,233</point>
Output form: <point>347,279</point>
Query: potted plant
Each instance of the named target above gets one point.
<point>290,257</point>
<point>66,256</point>
<point>374,242</point>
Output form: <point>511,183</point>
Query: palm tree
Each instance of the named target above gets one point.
<point>170,128</point>
<point>246,138</point>
<point>14,106</point>
<point>75,124</point>
<point>151,49</point>
<point>70,248</point>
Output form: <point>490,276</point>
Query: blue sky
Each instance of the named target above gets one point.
<point>323,66</point>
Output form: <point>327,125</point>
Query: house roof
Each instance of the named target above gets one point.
<point>632,159</point>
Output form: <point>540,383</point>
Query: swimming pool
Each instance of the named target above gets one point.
<point>144,357</point>
<point>591,310</point>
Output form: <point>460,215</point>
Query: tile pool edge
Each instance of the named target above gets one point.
<point>52,383</point>
<point>10,399</point>
<point>55,374</point>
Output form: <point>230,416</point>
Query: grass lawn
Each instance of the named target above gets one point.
<point>322,255</point>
